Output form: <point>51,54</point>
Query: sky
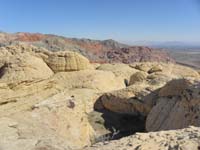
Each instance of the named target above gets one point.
<point>122,20</point>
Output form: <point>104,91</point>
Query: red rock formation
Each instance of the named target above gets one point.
<point>28,37</point>
<point>95,50</point>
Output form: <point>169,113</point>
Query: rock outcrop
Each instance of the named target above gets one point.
<point>122,71</point>
<point>142,94</point>
<point>137,54</point>
<point>47,99</point>
<point>177,107</point>
<point>18,65</point>
<point>133,100</point>
<point>167,69</point>
<point>58,122</point>
<point>21,63</point>
<point>175,88</point>
<point>137,77</point>
<point>67,61</point>
<point>185,139</point>
<point>45,108</point>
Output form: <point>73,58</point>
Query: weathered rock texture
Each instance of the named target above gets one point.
<point>42,109</point>
<point>132,100</point>
<point>18,65</point>
<point>137,77</point>
<point>67,61</point>
<point>185,139</point>
<point>143,92</point>
<point>27,63</point>
<point>177,107</point>
<point>46,98</point>
<point>121,71</point>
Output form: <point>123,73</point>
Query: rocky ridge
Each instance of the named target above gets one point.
<point>106,51</point>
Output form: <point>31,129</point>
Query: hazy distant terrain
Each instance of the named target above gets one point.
<point>188,55</point>
<point>190,58</point>
<point>185,53</point>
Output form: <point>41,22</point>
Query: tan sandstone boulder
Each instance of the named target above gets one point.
<point>47,115</point>
<point>22,62</point>
<point>133,100</point>
<point>67,61</point>
<point>156,68</point>
<point>121,71</point>
<point>17,65</point>
<point>42,111</point>
<point>143,94</point>
<point>92,79</point>
<point>39,90</point>
<point>137,77</point>
<point>58,122</point>
<point>169,69</point>
<point>55,109</point>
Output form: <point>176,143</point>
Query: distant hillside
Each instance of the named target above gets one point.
<point>95,50</point>
<point>185,53</point>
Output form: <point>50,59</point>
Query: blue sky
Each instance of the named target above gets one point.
<point>123,20</point>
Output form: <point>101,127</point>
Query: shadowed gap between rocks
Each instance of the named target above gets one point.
<point>2,70</point>
<point>112,126</point>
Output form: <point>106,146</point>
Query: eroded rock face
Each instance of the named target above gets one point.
<point>177,107</point>
<point>137,77</point>
<point>58,122</point>
<point>47,103</point>
<point>21,62</point>
<point>46,113</point>
<point>175,88</point>
<point>142,94</point>
<point>91,79</point>
<point>49,113</point>
<point>145,92</point>
<point>156,68</point>
<point>67,61</point>
<point>169,69</point>
<point>121,71</point>
<point>185,139</point>
<point>133,100</point>
<point>46,97</point>
<point>18,65</point>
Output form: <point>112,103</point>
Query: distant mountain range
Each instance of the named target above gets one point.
<point>95,50</point>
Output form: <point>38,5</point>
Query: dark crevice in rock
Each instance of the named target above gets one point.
<point>126,82</point>
<point>6,102</point>
<point>112,126</point>
<point>2,69</point>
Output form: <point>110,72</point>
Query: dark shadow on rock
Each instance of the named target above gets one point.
<point>123,123</point>
<point>111,126</point>
<point>2,70</point>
